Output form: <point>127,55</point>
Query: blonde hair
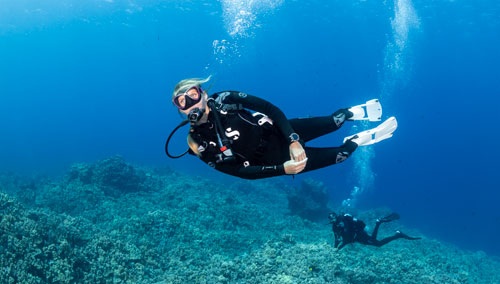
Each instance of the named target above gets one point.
<point>182,87</point>
<point>185,84</point>
<point>193,145</point>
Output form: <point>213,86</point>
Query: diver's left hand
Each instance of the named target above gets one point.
<point>297,152</point>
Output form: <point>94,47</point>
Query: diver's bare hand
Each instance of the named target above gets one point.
<point>297,152</point>
<point>292,167</point>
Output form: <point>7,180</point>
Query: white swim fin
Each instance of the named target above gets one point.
<point>371,110</point>
<point>374,135</point>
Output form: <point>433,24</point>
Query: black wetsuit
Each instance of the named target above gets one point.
<point>260,145</point>
<point>348,229</point>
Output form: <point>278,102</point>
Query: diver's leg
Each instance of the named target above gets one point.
<point>375,230</point>
<point>314,127</point>
<point>323,157</point>
<point>389,218</point>
<point>396,236</point>
<point>363,238</point>
<point>386,240</point>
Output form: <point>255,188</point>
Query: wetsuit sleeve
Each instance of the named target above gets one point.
<point>251,172</point>
<point>337,239</point>
<point>263,106</point>
<point>342,245</point>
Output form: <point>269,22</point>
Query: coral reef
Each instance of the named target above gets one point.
<point>112,174</point>
<point>310,201</point>
<point>111,222</point>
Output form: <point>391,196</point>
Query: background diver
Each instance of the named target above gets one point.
<point>348,229</point>
<point>226,135</point>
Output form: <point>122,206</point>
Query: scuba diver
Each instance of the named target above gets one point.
<point>248,137</point>
<point>348,229</point>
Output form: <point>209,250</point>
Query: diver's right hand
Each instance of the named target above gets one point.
<point>292,167</point>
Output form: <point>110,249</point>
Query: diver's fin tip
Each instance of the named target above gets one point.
<point>377,134</point>
<point>371,110</point>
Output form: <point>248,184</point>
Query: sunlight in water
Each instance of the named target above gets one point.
<point>363,173</point>
<point>397,65</point>
<point>396,71</point>
<point>241,18</point>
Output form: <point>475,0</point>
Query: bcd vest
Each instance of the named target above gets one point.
<point>247,132</point>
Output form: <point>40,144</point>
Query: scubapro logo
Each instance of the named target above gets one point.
<point>342,156</point>
<point>339,119</point>
<point>233,134</point>
<point>243,95</point>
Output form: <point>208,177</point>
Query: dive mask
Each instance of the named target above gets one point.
<point>189,98</point>
<point>332,218</point>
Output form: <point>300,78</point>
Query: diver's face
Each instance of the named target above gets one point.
<point>332,218</point>
<point>201,104</point>
<point>188,98</point>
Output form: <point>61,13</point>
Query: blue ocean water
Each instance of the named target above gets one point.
<point>81,81</point>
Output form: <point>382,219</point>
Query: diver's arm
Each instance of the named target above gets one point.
<point>343,244</point>
<point>193,146</point>
<point>337,239</point>
<point>260,105</point>
<point>251,172</point>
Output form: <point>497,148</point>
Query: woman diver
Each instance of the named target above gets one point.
<point>227,136</point>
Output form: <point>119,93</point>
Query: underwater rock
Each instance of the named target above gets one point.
<point>310,201</point>
<point>113,174</point>
<point>81,172</point>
